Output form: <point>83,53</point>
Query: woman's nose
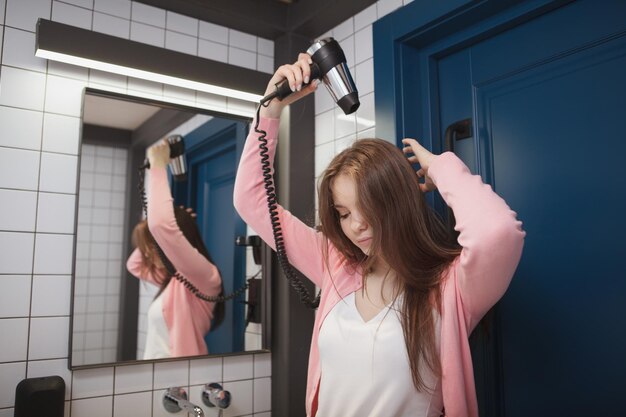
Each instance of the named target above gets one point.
<point>358,223</point>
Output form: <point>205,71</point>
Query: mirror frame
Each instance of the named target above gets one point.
<point>136,157</point>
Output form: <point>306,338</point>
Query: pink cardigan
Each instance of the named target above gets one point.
<point>188,318</point>
<point>490,235</point>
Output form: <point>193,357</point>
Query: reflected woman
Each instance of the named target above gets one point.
<point>177,319</point>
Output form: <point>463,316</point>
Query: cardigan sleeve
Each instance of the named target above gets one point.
<point>490,235</point>
<point>135,266</point>
<point>303,244</point>
<point>164,228</point>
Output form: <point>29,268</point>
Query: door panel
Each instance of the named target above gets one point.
<point>550,140</point>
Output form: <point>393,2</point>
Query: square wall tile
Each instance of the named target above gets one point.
<point>48,337</point>
<point>324,127</point>
<point>14,342</point>
<point>120,8</point>
<point>171,374</point>
<point>265,47</point>
<point>212,50</point>
<point>15,298</point>
<point>364,76</point>
<point>18,50</point>
<point>365,115</point>
<point>93,407</point>
<point>136,405</point>
<point>147,14</point>
<point>242,392</point>
<point>19,169</point>
<point>242,40</point>
<point>343,30</point>
<point>364,45</point>
<point>92,383</point>
<point>241,58</point>
<point>365,17</point>
<point>323,155</point>
<point>51,295</point>
<point>265,64</point>
<point>111,25</point>
<point>182,24</point>
<point>64,96</point>
<point>20,128</point>
<point>71,15</point>
<point>214,32</point>
<point>181,42</point>
<point>22,88</point>
<point>133,378</point>
<point>3,4</point>
<point>147,34</point>
<point>262,394</point>
<point>10,375</point>
<point>262,365</point>
<point>58,173</point>
<point>238,367</point>
<point>108,78</point>
<point>205,371</point>
<point>16,253</point>
<point>56,213</point>
<point>24,14</point>
<point>60,133</point>
<point>17,211</point>
<point>53,254</point>
<point>52,367</point>
<point>67,70</point>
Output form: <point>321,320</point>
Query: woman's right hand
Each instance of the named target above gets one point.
<point>296,75</point>
<point>159,154</point>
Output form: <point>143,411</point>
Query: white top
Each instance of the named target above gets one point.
<point>158,337</point>
<point>365,367</point>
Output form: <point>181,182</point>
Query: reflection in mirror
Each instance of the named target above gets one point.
<point>110,306</point>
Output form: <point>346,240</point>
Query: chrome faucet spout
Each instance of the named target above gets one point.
<point>175,400</point>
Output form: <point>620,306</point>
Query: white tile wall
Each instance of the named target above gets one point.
<point>19,215</point>
<point>15,299</point>
<point>27,87</point>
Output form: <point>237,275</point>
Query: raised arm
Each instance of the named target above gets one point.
<point>302,243</point>
<point>490,235</point>
<point>489,232</point>
<point>165,230</point>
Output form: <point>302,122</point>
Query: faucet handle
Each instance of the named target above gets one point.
<point>175,400</point>
<point>213,395</point>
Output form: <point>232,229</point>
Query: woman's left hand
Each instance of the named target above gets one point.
<point>423,157</point>
<point>159,154</point>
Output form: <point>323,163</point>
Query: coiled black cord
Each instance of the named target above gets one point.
<point>170,267</point>
<point>272,205</point>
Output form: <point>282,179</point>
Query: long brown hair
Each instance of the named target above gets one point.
<point>156,265</point>
<point>407,234</point>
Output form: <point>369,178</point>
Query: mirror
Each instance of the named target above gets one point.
<point>110,306</point>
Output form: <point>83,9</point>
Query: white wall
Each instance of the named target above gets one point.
<point>40,104</point>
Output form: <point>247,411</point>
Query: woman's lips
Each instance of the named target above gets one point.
<point>364,241</point>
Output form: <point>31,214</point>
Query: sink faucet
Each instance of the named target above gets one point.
<point>175,399</point>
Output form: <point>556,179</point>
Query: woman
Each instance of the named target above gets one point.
<point>177,319</point>
<point>399,297</point>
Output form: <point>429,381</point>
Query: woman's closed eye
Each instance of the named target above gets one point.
<point>343,215</point>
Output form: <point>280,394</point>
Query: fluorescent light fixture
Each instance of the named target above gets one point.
<point>76,46</point>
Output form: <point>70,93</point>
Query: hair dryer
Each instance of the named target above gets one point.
<point>177,164</point>
<point>329,65</point>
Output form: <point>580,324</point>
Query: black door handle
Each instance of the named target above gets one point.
<point>461,129</point>
<point>456,131</point>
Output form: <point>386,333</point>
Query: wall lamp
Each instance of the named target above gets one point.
<point>85,48</point>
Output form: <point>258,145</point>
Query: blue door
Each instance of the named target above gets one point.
<point>546,93</point>
<point>213,152</point>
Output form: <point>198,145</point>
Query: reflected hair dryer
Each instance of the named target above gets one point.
<point>329,65</point>
<point>178,163</point>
